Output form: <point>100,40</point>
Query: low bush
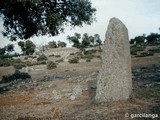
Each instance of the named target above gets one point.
<point>144,54</point>
<point>90,52</point>
<point>26,58</point>
<point>4,62</point>
<point>98,56</point>
<point>57,55</point>
<point>17,75</point>
<point>89,56</point>
<point>51,65</point>
<point>29,63</point>
<point>79,54</point>
<point>73,60</point>
<point>5,56</point>
<point>150,53</point>
<point>36,63</point>
<point>135,49</point>
<point>18,65</point>
<point>155,50</point>
<point>100,50</point>
<point>72,53</point>
<point>60,60</point>
<point>16,61</point>
<point>42,58</point>
<point>133,52</point>
<point>51,55</point>
<point>41,62</point>
<point>88,60</point>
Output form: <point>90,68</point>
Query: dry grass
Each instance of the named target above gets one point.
<point>26,106</point>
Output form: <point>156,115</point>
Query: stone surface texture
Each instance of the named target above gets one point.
<point>114,79</point>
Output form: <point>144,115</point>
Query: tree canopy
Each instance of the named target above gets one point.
<point>27,47</point>
<point>25,18</point>
<point>86,42</point>
<point>152,38</point>
<point>9,48</point>
<point>52,44</point>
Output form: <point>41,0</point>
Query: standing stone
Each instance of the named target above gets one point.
<point>114,79</point>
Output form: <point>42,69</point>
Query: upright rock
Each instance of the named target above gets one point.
<point>114,79</point>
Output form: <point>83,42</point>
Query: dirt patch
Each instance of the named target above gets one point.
<point>23,104</point>
<point>16,98</point>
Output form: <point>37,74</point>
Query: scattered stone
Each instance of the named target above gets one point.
<point>56,95</point>
<point>66,90</point>
<point>115,79</point>
<point>72,97</point>
<point>43,95</point>
<point>77,90</point>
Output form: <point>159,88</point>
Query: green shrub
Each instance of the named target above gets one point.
<point>16,61</point>
<point>60,60</point>
<point>29,63</point>
<point>5,56</point>
<point>78,54</point>
<point>133,52</point>
<point>41,62</point>
<point>57,55</point>
<point>90,52</point>
<point>140,55</point>
<point>88,60</point>
<point>89,56</point>
<point>26,58</point>
<point>42,58</point>
<point>144,54</point>
<point>51,55</point>
<point>17,75</point>
<point>100,50</point>
<point>4,62</point>
<point>73,60</point>
<point>150,53</point>
<point>37,63</point>
<point>34,57</point>
<point>51,65</point>
<point>155,50</point>
<point>135,49</point>
<point>98,56</point>
<point>72,53</point>
<point>18,65</point>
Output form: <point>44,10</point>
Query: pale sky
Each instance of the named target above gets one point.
<point>139,16</point>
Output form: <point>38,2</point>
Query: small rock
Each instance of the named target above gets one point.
<point>66,90</point>
<point>56,95</point>
<point>72,97</point>
<point>70,79</point>
<point>43,95</point>
<point>77,90</point>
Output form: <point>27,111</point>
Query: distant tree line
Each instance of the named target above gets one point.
<point>85,41</point>
<point>54,44</point>
<point>152,39</point>
<point>7,49</point>
<point>78,41</point>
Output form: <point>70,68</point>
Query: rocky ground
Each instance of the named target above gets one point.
<point>67,93</point>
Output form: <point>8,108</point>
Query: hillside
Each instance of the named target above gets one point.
<point>67,91</point>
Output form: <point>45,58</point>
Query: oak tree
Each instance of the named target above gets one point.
<point>24,19</point>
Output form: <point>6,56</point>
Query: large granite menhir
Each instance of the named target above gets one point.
<point>114,79</point>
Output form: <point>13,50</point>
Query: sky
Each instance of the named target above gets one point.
<point>139,16</point>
